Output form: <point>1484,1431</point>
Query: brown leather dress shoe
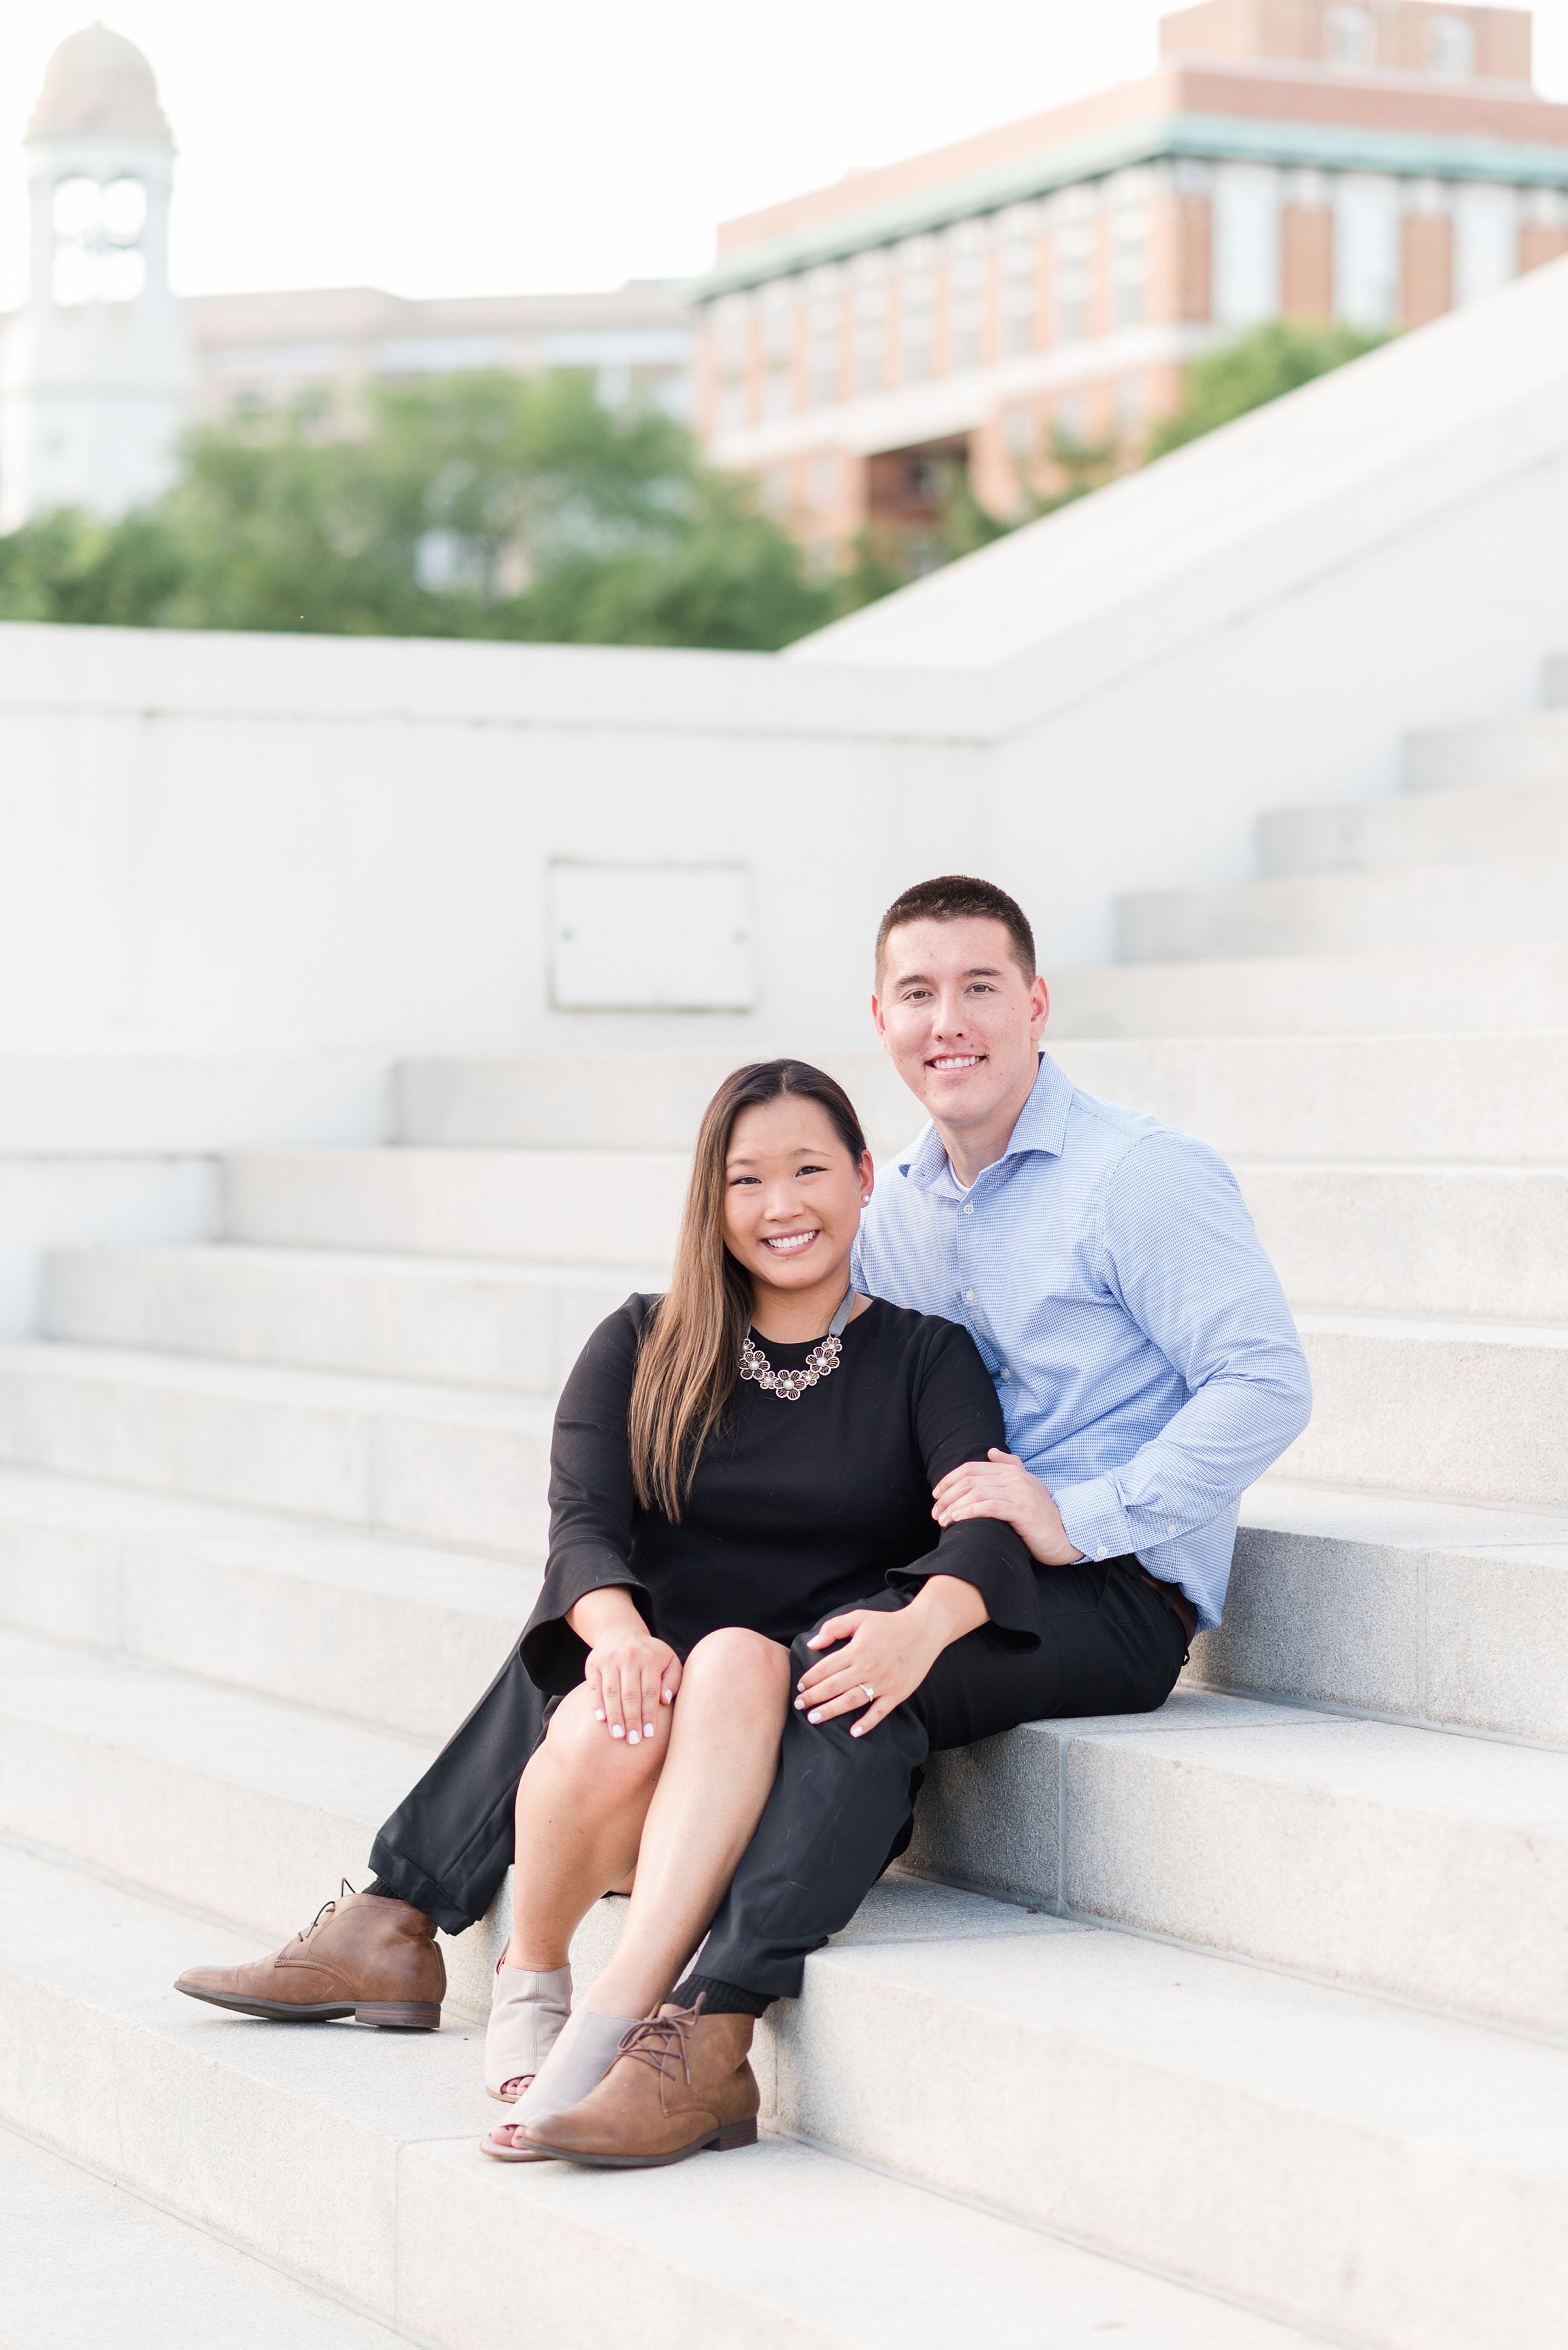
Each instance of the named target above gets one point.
<point>681,2084</point>
<point>367,1956</point>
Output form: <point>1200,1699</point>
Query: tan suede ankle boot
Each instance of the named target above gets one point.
<point>681,2084</point>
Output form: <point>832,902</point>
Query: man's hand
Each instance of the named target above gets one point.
<point>1000,1486</point>
<point>888,1652</point>
<point>630,1675</point>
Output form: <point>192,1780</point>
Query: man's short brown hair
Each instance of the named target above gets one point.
<point>953,898</point>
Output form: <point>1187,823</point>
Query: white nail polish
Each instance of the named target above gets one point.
<point>800,1705</point>
<point>648,1729</point>
<point>599,1713</point>
<point>632,1739</point>
<point>814,1717</point>
<point>615,1729</point>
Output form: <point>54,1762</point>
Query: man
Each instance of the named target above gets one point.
<point>1148,1371</point>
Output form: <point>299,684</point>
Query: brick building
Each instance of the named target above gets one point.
<point>1051,278</point>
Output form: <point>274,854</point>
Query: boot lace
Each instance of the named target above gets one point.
<point>658,2038</point>
<point>324,1911</point>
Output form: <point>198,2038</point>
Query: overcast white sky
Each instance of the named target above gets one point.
<point>506,146</point>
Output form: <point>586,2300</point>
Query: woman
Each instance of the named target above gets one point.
<point>732,1464</point>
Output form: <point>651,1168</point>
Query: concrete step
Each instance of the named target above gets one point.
<point>354,2156</point>
<point>1437,1405</point>
<point>235,1805</point>
<point>1396,2176</point>
<point>1360,1852</point>
<point>1416,1239</point>
<point>1383,991</point>
<point>545,1207</point>
<point>153,2281</point>
<point>1462,1238</point>
<point>1489,821</point>
<point>1495,1097</point>
<point>450,1319</point>
<point>619,1101</point>
<point>439,1464</point>
<point>1497,903</point>
<point>392,1633</point>
<point>1441,1612</point>
<point>1362,2164</point>
<point>1447,1613</point>
<point>1488,1099</point>
<point>1499,754</point>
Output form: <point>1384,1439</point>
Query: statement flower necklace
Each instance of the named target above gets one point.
<point>789,1386</point>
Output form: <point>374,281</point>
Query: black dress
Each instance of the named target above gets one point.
<point>797,1510</point>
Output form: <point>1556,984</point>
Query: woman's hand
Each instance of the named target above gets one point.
<point>1000,1486</point>
<point>889,1652</point>
<point>630,1675</point>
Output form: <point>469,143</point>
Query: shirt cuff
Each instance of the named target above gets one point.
<point>1094,1518</point>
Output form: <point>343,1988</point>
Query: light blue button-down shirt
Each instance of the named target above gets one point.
<point>1109,1273</point>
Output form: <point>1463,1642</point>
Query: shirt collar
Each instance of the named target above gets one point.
<point>1042,1126</point>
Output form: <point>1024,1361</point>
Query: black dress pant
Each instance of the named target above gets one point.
<point>449,1844</point>
<point>841,1807</point>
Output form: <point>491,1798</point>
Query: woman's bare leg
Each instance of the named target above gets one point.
<point>701,1813</point>
<point>581,1804</point>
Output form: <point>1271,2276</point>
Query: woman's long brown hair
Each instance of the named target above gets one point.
<point>690,1357</point>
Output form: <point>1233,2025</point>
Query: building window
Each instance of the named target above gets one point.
<point>1350,39</point>
<point>732,322</point>
<point>822,484</point>
<point>1132,408</point>
<point>98,241</point>
<point>1130,228</point>
<point>774,491</point>
<point>1020,278</point>
<point>1020,433</point>
<point>1450,47</point>
<point>1070,420</point>
<point>870,271</point>
<point>966,280</point>
<point>1366,250</point>
<point>777,401</point>
<point>1246,232</point>
<point>1486,241</point>
<point>778,319</point>
<point>731,405</point>
<point>1073,259</point>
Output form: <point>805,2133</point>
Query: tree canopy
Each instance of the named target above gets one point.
<point>470,505</point>
<point>1253,369</point>
<point>494,505</point>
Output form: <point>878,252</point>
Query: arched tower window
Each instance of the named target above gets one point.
<point>97,240</point>
<point>1350,39</point>
<point>1450,47</point>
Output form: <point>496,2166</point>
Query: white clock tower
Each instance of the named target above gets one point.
<point>97,380</point>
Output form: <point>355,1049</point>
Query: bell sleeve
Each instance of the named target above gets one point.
<point>957,1419</point>
<point>593,1509</point>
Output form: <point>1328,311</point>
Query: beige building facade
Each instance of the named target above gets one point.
<point>1047,283</point>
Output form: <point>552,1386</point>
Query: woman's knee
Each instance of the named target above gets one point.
<point>735,1661</point>
<point>583,1749</point>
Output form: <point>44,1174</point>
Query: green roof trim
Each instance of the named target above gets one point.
<point>1208,138</point>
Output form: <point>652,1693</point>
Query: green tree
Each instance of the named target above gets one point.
<point>1256,368</point>
<point>470,505</point>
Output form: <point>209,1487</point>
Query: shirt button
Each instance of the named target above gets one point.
<point>1101,1552</point>
<point>969,1207</point>
<point>969,1294</point>
<point>1007,1375</point>
<point>1170,1530</point>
